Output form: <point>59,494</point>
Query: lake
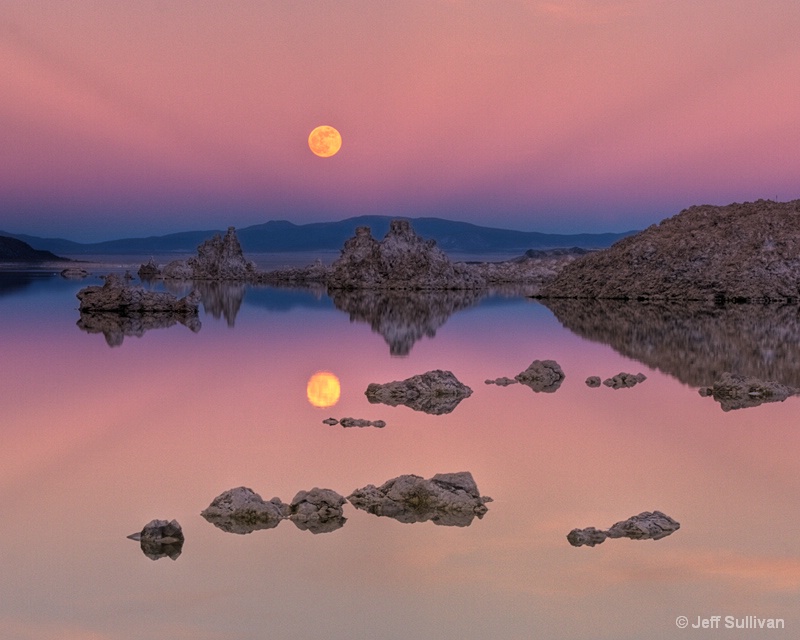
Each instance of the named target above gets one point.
<point>104,432</point>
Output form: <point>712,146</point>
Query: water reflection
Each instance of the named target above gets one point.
<point>116,327</point>
<point>403,317</point>
<point>694,342</point>
<point>160,539</point>
<point>219,299</point>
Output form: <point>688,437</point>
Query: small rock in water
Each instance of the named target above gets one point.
<point>542,376</point>
<point>160,539</point>
<point>624,380</point>
<point>593,381</point>
<point>645,526</point>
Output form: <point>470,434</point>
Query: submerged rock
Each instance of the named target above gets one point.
<point>402,260</point>
<point>117,296</point>
<point>733,391</point>
<point>160,539</point>
<point>542,376</point>
<point>449,499</point>
<point>242,511</point>
<point>646,526</point>
<point>317,511</point>
<point>624,380</point>
<point>436,392</point>
<point>355,422</point>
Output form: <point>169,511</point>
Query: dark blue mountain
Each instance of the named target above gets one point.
<point>281,235</point>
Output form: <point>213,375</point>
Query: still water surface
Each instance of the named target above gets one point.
<point>98,440</point>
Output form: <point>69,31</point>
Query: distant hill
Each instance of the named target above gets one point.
<point>281,235</point>
<point>14,250</point>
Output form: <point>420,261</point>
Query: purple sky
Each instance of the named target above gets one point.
<point>134,119</point>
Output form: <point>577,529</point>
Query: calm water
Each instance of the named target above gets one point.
<point>98,440</point>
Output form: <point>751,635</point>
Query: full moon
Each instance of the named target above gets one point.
<point>324,141</point>
<point>323,389</point>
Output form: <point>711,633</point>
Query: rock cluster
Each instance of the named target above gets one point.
<point>402,260</point>
<point>741,252</point>
<point>624,380</point>
<point>734,391</point>
<point>355,422</point>
<point>435,392</point>
<point>117,296</point>
<point>160,539</point>
<point>242,510</point>
<point>541,376</point>
<point>646,526</point>
<point>450,499</point>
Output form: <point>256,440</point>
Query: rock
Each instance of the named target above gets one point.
<point>593,381</point>
<point>502,382</point>
<point>646,526</point>
<point>219,258</point>
<point>160,539</point>
<point>74,273</point>
<point>149,270</point>
<point>535,268</point>
<point>450,499</point>
<point>624,380</point>
<point>330,421</point>
<point>435,392</point>
<point>360,422</point>
<point>117,296</point>
<point>315,272</point>
<point>739,252</point>
<point>733,391</point>
<point>242,511</point>
<point>542,376</point>
<point>317,511</point>
<point>402,260</point>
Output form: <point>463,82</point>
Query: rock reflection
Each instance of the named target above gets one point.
<point>694,342</point>
<point>160,539</point>
<point>403,317</point>
<point>117,327</point>
<point>220,299</point>
<point>447,499</point>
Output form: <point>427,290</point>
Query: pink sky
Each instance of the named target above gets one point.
<point>563,115</point>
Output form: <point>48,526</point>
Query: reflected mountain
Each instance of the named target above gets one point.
<point>116,327</point>
<point>694,342</point>
<point>403,317</point>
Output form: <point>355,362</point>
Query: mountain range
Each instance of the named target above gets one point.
<point>281,235</point>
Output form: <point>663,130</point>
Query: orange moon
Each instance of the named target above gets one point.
<point>323,389</point>
<point>325,141</point>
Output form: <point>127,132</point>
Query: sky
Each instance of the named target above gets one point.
<point>137,119</point>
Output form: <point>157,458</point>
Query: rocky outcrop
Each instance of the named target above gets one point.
<point>355,422</point>
<point>733,391</point>
<point>117,296</point>
<point>317,511</point>
<point>624,380</point>
<point>740,252</point>
<point>74,273</point>
<point>243,511</point>
<point>219,258</point>
<point>450,499</point>
<point>403,317</point>
<point>435,392</point>
<point>542,376</point>
<point>149,270</point>
<point>646,526</point>
<point>315,272</point>
<point>160,539</point>
<point>402,260</point>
